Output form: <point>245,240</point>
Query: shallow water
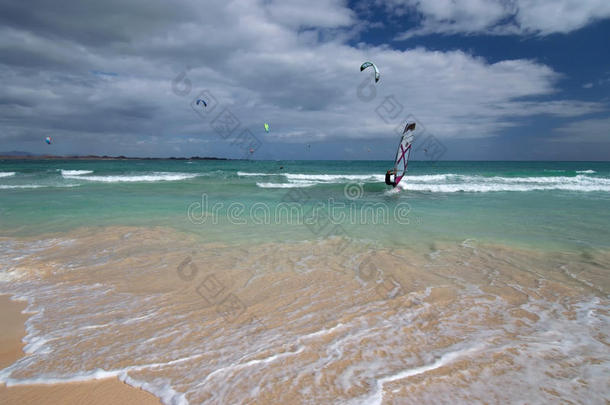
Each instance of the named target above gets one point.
<point>555,205</point>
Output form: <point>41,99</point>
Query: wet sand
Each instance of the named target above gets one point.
<point>107,391</point>
<point>13,330</point>
<point>313,322</point>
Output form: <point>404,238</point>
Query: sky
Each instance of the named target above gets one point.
<point>483,79</point>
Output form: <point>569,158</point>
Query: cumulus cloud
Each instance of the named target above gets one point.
<point>499,17</point>
<point>266,61</point>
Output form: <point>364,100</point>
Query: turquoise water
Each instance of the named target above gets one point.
<point>554,205</point>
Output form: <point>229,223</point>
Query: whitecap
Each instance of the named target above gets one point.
<point>152,177</point>
<point>285,185</point>
<point>66,173</point>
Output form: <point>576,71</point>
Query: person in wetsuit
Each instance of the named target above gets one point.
<point>388,175</point>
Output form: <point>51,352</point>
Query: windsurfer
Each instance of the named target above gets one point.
<point>388,180</point>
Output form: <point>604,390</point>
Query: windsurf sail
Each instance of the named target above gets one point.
<point>266,127</point>
<point>404,152</point>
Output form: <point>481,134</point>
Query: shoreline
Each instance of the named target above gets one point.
<point>96,392</point>
<point>95,157</point>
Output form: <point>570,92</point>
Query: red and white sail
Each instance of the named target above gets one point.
<point>404,151</point>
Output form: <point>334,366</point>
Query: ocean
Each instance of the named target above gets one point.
<point>211,281</point>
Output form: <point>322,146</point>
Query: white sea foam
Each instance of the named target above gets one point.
<point>297,180</point>
<point>285,185</point>
<point>165,392</point>
<point>321,178</point>
<point>455,178</point>
<point>431,177</point>
<point>484,188</point>
<point>75,172</point>
<point>451,183</point>
<point>7,174</point>
<point>151,177</point>
<point>586,171</point>
<point>377,397</point>
<point>322,332</point>
<point>26,186</point>
<point>8,187</point>
<point>87,376</point>
<point>36,344</point>
<point>334,178</point>
<point>447,182</point>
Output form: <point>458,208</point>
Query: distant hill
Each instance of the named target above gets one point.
<point>27,155</point>
<point>16,153</point>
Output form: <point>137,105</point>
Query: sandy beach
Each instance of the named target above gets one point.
<point>286,323</point>
<point>106,391</point>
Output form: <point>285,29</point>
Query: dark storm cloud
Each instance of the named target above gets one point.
<point>94,23</point>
